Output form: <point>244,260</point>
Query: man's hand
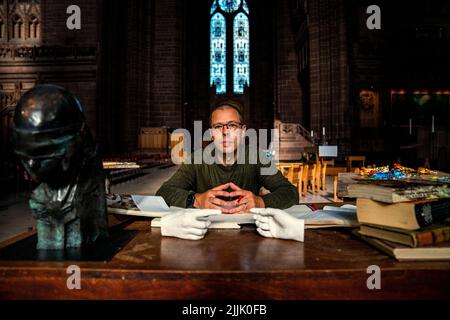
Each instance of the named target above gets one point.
<point>184,224</point>
<point>246,201</point>
<point>276,223</point>
<point>209,200</point>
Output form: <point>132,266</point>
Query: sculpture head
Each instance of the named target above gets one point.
<point>48,131</point>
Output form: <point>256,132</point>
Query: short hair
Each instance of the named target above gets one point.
<point>228,104</point>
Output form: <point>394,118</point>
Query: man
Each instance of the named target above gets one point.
<point>227,184</point>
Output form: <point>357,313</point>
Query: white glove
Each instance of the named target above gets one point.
<point>184,224</point>
<point>276,223</point>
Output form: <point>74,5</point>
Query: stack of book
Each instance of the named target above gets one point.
<point>409,220</point>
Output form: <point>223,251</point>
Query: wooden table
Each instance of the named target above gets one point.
<point>230,264</point>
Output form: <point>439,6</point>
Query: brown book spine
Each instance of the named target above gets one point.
<point>440,234</point>
<point>423,239</point>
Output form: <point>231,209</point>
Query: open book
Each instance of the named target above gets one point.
<point>155,207</point>
<point>327,217</point>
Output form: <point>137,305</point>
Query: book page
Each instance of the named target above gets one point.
<point>150,203</point>
<point>347,218</point>
<point>299,211</point>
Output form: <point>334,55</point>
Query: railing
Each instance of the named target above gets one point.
<point>286,128</point>
<point>305,133</point>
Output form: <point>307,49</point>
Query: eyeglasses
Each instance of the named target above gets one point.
<point>232,125</point>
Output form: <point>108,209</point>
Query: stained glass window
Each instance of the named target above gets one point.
<point>235,14</point>
<point>245,6</point>
<point>241,50</point>
<point>218,53</point>
<point>229,5</point>
<point>214,6</point>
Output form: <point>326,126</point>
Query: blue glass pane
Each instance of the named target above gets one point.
<point>214,6</point>
<point>229,5</point>
<point>218,53</point>
<point>241,53</point>
<point>245,6</point>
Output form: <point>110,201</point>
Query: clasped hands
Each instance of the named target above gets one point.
<point>246,199</point>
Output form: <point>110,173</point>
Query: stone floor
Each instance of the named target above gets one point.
<point>15,215</point>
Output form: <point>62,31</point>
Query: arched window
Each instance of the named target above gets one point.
<point>218,53</point>
<point>229,17</point>
<point>17,30</point>
<point>2,29</point>
<point>33,28</point>
<point>241,50</point>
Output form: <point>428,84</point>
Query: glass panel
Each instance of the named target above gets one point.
<point>214,6</point>
<point>241,53</point>
<point>245,6</point>
<point>229,5</point>
<point>218,53</point>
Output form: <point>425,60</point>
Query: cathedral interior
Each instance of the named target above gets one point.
<point>346,90</point>
<point>328,70</point>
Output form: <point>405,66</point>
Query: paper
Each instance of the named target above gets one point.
<point>150,203</point>
<point>344,208</point>
<point>327,217</point>
<point>299,211</point>
<point>156,222</point>
<point>236,218</point>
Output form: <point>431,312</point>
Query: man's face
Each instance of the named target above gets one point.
<point>227,130</point>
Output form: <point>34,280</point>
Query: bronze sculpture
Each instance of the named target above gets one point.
<point>55,146</point>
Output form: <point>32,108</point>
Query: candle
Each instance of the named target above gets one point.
<point>410,126</point>
<point>432,124</point>
<point>323,131</point>
<point>312,133</point>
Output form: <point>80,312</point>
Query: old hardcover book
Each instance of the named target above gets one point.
<point>397,191</point>
<point>439,251</point>
<point>423,237</point>
<point>405,215</point>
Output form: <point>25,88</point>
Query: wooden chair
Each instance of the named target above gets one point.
<point>284,169</point>
<point>305,179</point>
<point>312,177</point>
<point>295,173</point>
<point>335,188</point>
<point>324,177</point>
<point>299,180</point>
<point>290,175</point>
<point>318,176</point>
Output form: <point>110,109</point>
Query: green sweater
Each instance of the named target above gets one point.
<point>202,177</point>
